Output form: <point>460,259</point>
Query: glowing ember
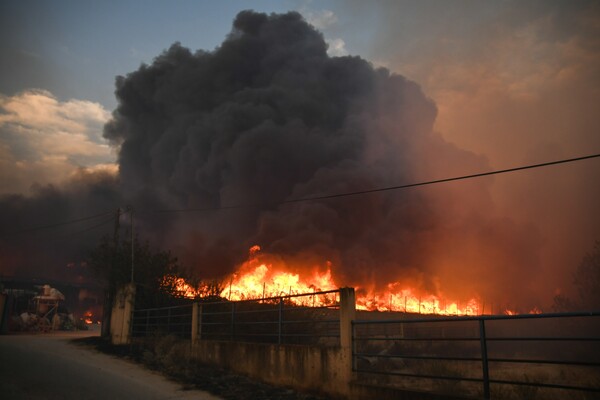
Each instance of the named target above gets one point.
<point>535,310</point>
<point>87,317</point>
<point>263,277</point>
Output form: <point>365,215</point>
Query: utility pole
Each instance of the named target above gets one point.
<point>116,233</point>
<point>132,248</point>
<point>109,294</point>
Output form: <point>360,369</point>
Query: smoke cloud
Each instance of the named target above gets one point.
<point>269,116</point>
<point>516,82</point>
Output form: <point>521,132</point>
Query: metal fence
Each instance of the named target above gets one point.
<point>176,320</point>
<point>310,319</point>
<point>544,356</point>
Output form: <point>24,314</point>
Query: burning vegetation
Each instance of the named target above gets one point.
<point>265,276</point>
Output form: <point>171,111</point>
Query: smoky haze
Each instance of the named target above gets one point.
<point>51,251</point>
<point>517,82</point>
<point>269,116</point>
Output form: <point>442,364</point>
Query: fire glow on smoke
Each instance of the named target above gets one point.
<point>256,279</point>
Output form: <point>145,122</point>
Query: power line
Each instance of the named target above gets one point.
<point>57,224</point>
<point>71,234</point>
<point>433,182</point>
<point>314,198</point>
<point>384,189</point>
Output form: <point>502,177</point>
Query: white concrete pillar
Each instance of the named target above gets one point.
<point>122,314</point>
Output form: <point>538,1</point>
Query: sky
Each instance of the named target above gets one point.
<point>477,60</point>
<point>513,82</point>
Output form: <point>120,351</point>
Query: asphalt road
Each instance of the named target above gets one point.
<point>48,366</point>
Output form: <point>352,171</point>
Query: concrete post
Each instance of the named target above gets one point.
<point>122,315</point>
<point>347,315</point>
<point>196,322</point>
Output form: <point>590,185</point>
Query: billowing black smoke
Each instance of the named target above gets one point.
<point>267,117</point>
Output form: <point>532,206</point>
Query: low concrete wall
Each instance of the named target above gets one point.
<point>303,367</point>
<point>320,369</point>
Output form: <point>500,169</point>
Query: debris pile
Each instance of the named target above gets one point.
<point>45,313</point>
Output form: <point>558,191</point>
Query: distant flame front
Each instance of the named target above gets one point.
<point>265,277</point>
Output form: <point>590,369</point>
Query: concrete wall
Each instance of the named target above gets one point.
<point>319,369</point>
<point>324,369</point>
<point>121,315</point>
<point>303,367</point>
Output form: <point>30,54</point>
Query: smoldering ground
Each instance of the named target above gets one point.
<point>268,117</point>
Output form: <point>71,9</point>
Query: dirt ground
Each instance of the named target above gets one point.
<point>48,366</point>
<point>208,378</point>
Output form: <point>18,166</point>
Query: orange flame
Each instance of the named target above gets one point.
<point>87,317</point>
<point>402,299</point>
<point>184,289</point>
<point>260,279</point>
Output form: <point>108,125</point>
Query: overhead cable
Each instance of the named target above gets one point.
<point>57,224</point>
<point>382,189</point>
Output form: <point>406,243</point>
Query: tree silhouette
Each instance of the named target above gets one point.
<point>586,279</point>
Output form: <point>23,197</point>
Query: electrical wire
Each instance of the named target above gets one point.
<point>71,234</point>
<point>55,225</point>
<point>383,189</point>
<point>303,199</point>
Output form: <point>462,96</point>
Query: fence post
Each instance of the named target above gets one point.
<point>347,315</point>
<point>232,320</point>
<point>484,359</point>
<point>147,322</point>
<point>121,327</point>
<point>280,324</point>
<point>169,320</point>
<point>353,347</point>
<point>196,322</point>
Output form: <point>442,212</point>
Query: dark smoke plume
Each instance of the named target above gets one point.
<point>268,116</point>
